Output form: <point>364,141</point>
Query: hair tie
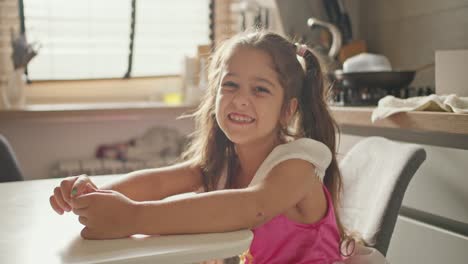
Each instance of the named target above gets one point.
<point>301,49</point>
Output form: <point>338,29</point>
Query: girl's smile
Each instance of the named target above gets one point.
<point>240,119</point>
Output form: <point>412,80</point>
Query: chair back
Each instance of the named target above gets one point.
<point>376,173</point>
<point>9,167</point>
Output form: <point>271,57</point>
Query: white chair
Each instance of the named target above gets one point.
<point>376,172</point>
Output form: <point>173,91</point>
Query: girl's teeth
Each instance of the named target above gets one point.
<point>240,119</point>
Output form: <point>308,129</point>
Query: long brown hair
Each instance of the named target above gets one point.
<point>210,149</point>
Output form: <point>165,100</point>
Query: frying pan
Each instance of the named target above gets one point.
<point>378,79</point>
<point>382,79</point>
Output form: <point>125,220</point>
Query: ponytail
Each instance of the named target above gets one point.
<point>317,122</point>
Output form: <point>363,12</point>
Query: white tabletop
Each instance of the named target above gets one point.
<point>31,232</point>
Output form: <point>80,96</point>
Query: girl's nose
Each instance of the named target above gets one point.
<point>241,99</point>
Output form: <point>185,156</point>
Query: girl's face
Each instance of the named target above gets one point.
<point>249,97</point>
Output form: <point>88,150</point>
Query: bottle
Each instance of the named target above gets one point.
<point>189,79</point>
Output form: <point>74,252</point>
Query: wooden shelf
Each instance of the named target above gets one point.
<point>92,110</point>
<point>419,121</point>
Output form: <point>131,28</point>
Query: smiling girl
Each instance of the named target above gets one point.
<point>262,158</point>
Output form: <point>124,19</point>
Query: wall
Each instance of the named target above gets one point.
<point>409,32</point>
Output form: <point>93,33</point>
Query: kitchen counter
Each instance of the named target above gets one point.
<point>91,110</point>
<point>419,121</point>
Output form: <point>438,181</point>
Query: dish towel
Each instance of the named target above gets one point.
<point>390,105</point>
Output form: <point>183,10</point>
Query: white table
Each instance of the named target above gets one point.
<point>31,232</point>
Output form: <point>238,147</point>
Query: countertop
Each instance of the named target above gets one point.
<point>31,232</point>
<point>418,121</point>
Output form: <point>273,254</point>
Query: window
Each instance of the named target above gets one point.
<point>90,39</point>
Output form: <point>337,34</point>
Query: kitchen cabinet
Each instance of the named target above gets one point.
<point>417,242</point>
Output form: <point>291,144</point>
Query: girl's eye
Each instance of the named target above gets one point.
<point>230,84</point>
<point>260,89</point>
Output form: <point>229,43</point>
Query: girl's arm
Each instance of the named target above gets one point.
<point>156,184</point>
<point>227,210</point>
<point>150,184</point>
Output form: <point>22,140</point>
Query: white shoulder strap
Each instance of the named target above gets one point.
<point>307,149</point>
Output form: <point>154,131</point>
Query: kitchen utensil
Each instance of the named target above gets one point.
<point>382,79</point>
<point>258,19</point>
<point>353,48</point>
<point>345,23</point>
<point>379,79</point>
<point>266,18</point>
<point>337,15</point>
<point>335,32</point>
<point>253,14</point>
<point>332,10</point>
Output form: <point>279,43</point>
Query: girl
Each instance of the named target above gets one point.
<point>263,154</point>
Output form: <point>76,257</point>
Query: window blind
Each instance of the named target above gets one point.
<point>166,31</point>
<point>90,39</point>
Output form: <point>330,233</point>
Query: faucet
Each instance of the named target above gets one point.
<point>335,32</point>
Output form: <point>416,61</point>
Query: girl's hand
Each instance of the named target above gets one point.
<point>105,214</point>
<point>60,200</point>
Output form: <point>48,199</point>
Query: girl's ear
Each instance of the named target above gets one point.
<point>290,110</point>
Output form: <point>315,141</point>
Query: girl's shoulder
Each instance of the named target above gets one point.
<point>306,144</point>
<point>306,149</point>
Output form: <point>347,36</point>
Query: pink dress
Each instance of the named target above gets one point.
<point>282,240</point>
<point>285,241</point>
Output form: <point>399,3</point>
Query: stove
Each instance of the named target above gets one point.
<point>346,95</point>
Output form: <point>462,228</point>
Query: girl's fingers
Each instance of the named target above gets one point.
<point>104,191</point>
<point>89,188</point>
<point>83,220</point>
<point>79,187</point>
<point>80,211</point>
<point>90,233</point>
<point>55,206</point>
<point>66,186</point>
<point>83,201</point>
<point>86,233</point>
<point>58,195</point>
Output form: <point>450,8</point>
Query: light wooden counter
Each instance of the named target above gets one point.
<point>92,110</point>
<point>419,121</point>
